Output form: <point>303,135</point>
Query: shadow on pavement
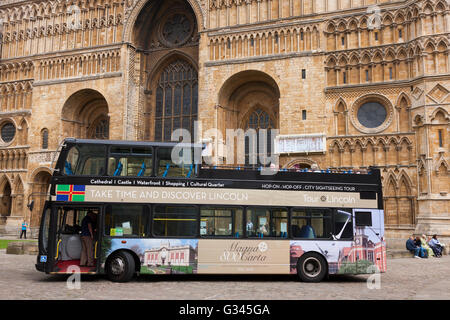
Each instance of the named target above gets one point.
<point>146,278</point>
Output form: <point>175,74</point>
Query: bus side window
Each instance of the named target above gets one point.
<point>71,161</point>
<point>167,168</point>
<point>126,162</point>
<point>343,224</point>
<point>311,223</point>
<point>217,221</point>
<point>128,220</point>
<point>238,223</point>
<point>85,160</point>
<point>363,218</point>
<point>174,221</point>
<point>258,222</point>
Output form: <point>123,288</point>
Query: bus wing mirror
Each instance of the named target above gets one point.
<point>31,205</point>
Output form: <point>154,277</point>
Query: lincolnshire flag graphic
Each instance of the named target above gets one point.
<point>70,192</point>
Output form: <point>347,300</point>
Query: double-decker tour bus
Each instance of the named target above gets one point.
<point>154,216</point>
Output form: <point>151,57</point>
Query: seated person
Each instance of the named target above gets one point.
<point>436,246</point>
<point>249,228</point>
<point>412,246</point>
<point>423,241</point>
<point>307,232</point>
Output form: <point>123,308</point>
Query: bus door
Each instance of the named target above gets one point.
<point>46,241</point>
<point>68,239</point>
<point>369,236</point>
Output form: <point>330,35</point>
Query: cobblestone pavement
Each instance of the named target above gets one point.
<point>406,278</point>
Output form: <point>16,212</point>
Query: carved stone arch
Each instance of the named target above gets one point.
<point>248,99</point>
<point>387,18</point>
<point>39,184</point>
<point>331,61</point>
<point>166,60</point>
<point>380,141</point>
<point>4,178</point>
<point>339,102</point>
<point>377,56</point>
<point>363,22</point>
<point>401,54</point>
<point>6,190</point>
<point>175,76</point>
<point>300,163</point>
<point>353,24</point>
<point>399,17</point>
<point>246,115</point>
<point>19,185</point>
<point>335,145</point>
<point>441,6</point>
<point>442,44</point>
<point>405,200</point>
<point>341,112</point>
<point>427,7</point>
<point>366,57</point>
<point>441,162</point>
<point>354,59</point>
<point>342,60</point>
<point>392,144</point>
<point>331,27</point>
<point>140,4</point>
<point>443,112</point>
<point>403,175</point>
<point>80,110</point>
<point>404,96</point>
<point>391,185</point>
<point>341,25</point>
<point>421,167</point>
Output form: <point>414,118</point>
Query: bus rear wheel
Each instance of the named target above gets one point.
<point>311,267</point>
<point>120,267</point>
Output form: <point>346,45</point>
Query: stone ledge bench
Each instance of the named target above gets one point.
<point>22,247</point>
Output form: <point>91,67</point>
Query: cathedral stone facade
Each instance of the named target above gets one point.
<point>368,78</point>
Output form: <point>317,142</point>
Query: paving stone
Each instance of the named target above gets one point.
<point>406,278</point>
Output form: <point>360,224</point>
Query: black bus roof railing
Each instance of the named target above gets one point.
<point>131,143</point>
<point>261,168</point>
<point>240,171</point>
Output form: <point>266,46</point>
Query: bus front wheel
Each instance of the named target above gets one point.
<point>311,267</point>
<point>120,267</point>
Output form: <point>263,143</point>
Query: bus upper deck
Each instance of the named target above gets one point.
<point>132,163</point>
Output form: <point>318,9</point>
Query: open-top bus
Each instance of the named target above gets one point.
<point>155,216</point>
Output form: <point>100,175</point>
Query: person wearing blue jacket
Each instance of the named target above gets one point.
<point>418,251</point>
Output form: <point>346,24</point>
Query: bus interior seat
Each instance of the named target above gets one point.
<point>190,171</point>
<point>118,169</point>
<point>70,247</point>
<point>295,231</point>
<point>68,229</point>
<point>307,232</point>
<point>167,170</point>
<point>68,168</point>
<point>142,171</point>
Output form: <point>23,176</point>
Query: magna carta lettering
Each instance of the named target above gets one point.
<point>345,84</point>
